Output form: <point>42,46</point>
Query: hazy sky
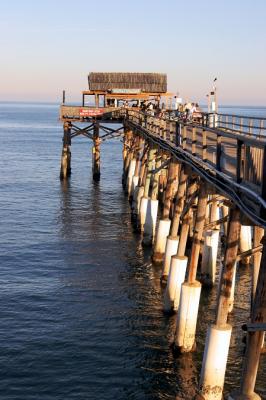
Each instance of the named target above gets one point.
<point>51,45</point>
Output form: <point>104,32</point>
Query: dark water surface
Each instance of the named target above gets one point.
<point>80,303</point>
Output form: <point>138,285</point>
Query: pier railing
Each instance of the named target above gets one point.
<point>239,123</point>
<point>235,162</point>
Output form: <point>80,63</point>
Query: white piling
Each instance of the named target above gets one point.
<point>187,316</point>
<point>176,277</point>
<point>135,181</point>
<point>150,222</point>
<point>170,250</point>
<point>214,362</point>
<point>143,212</point>
<point>130,175</point>
<point>139,195</point>
<point>245,242</point>
<point>161,238</point>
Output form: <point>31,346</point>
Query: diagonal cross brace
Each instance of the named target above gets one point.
<point>82,131</point>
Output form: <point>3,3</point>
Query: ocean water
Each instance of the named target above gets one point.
<point>80,302</point>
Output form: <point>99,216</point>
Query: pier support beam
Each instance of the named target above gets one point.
<point>176,277</point>
<point>96,153</point>
<point>152,208</point>
<point>65,170</point>
<point>173,239</point>
<point>145,198</point>
<point>190,293</point>
<point>165,222</point>
<point>214,362</point>
<point>127,154</point>
<point>210,247</point>
<point>186,222</point>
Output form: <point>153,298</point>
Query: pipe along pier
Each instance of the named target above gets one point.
<point>192,185</point>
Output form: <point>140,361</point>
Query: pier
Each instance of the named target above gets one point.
<point>197,188</point>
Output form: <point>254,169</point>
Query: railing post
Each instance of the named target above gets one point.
<point>241,124</point>
<point>194,142</point>
<point>218,152</point>
<point>233,122</point>
<point>177,133</point>
<point>204,145</point>
<point>250,126</point>
<point>184,137</point>
<point>263,184</point>
<point>239,161</point>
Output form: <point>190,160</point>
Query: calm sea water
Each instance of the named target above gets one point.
<point>80,303</point>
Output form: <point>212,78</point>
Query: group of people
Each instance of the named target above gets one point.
<point>189,112</point>
<point>186,112</point>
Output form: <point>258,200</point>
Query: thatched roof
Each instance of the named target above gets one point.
<point>146,82</point>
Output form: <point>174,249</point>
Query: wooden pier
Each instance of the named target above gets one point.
<point>190,184</point>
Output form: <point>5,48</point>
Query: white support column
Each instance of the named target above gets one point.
<point>135,181</point>
<point>150,222</point>
<point>176,277</point>
<point>245,242</point>
<point>130,175</point>
<point>214,362</point>
<point>143,212</point>
<point>139,195</point>
<point>170,250</point>
<point>187,317</point>
<point>160,241</point>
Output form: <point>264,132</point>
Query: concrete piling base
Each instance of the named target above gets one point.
<point>135,181</point>
<point>245,242</point>
<point>214,362</point>
<point>130,175</point>
<point>160,241</point>
<point>150,222</point>
<point>209,257</point>
<point>170,250</point>
<point>187,317</point>
<point>64,164</point>
<point>175,279</point>
<point>143,212</point>
<point>139,195</point>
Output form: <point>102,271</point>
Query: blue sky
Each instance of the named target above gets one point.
<point>48,46</point>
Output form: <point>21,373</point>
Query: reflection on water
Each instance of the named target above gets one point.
<point>80,302</point>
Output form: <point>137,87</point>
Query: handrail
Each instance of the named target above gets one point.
<point>243,182</point>
<point>252,139</point>
<point>241,116</point>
